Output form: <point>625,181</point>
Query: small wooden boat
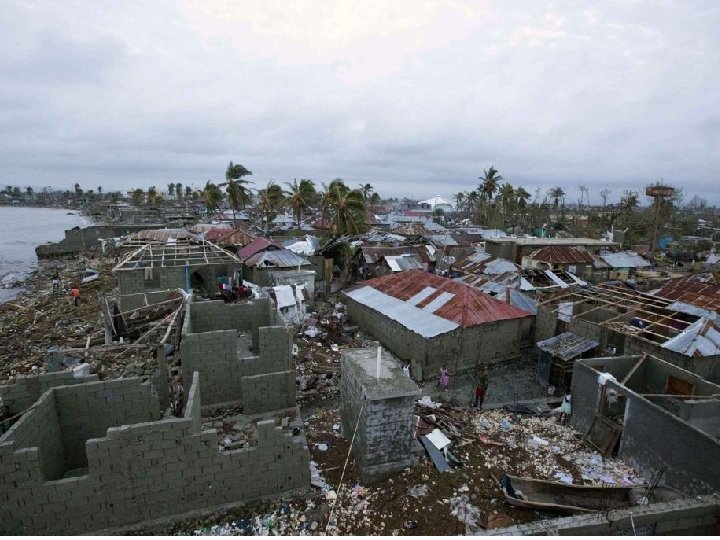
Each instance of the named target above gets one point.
<point>548,495</point>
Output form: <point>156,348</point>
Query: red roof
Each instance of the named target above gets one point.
<point>256,246</point>
<point>702,290</point>
<point>468,306</point>
<point>562,255</point>
<point>217,232</point>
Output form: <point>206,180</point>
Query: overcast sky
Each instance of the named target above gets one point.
<point>414,97</point>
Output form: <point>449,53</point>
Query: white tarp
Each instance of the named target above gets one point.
<point>559,282</point>
<point>284,295</point>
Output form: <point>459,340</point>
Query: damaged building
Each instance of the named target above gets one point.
<point>661,419</point>
<point>242,353</point>
<point>146,275</point>
<point>433,321</point>
<point>625,321</point>
<point>96,456</point>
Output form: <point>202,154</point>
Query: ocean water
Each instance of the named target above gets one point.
<point>21,229</point>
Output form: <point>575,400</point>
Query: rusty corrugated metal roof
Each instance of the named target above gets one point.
<point>562,255</point>
<point>702,290</point>
<point>445,298</point>
<point>256,246</point>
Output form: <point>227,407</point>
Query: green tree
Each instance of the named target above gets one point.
<point>302,195</point>
<point>490,183</point>
<point>343,209</point>
<point>188,192</point>
<point>137,196</point>
<point>375,200</point>
<point>114,197</point>
<point>78,190</point>
<point>178,190</point>
<point>271,200</point>
<point>171,189</point>
<point>152,196</point>
<point>557,194</point>
<point>212,196</point>
<point>366,190</point>
<point>236,187</point>
<point>522,197</point>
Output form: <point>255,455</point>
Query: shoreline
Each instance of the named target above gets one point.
<point>17,282</point>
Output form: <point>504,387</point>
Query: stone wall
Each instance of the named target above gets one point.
<point>139,472</point>
<point>381,408</point>
<point>87,238</point>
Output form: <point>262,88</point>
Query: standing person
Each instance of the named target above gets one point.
<point>75,293</point>
<point>56,283</point>
<point>565,408</point>
<point>480,388</point>
<point>444,380</point>
<point>406,369</point>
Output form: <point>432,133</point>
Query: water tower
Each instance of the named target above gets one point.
<point>659,194</point>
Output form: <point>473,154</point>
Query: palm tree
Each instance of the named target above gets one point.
<point>507,199</point>
<point>171,189</point>
<point>302,194</point>
<point>366,190</point>
<point>188,192</point>
<point>490,180</point>
<point>178,190</point>
<point>522,197</point>
<point>271,199</point>
<point>137,195</point>
<point>472,201</point>
<point>152,196</point>
<point>237,192</point>
<point>212,196</point>
<point>78,190</point>
<point>375,201</point>
<point>343,209</point>
<point>99,190</point>
<point>460,199</point>
<point>557,194</point>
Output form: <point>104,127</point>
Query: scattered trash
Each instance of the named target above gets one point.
<point>418,491</point>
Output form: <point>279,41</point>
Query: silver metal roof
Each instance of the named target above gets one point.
<point>411,317</point>
<point>625,259</point>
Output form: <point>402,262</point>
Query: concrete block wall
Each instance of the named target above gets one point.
<point>211,346</point>
<point>38,432</point>
<point>651,436</point>
<point>87,411</point>
<point>25,391</point>
<point>459,350</point>
<point>268,392</point>
<point>147,471</point>
<point>382,409</point>
<point>215,356</point>
<point>545,322</point>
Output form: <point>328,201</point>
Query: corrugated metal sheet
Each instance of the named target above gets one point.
<point>567,345</point>
<point>254,247</point>
<point>468,307</point>
<point>403,263</point>
<point>373,255</point>
<point>562,255</point>
<point>625,259</point>
<point>162,235</point>
<point>702,290</point>
<point>701,338</point>
<point>276,258</point>
<point>414,319</point>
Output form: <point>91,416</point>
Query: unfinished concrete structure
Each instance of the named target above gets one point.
<point>433,321</point>
<point>242,353</point>
<point>97,456</point>
<point>657,417</point>
<point>147,274</point>
<point>79,239</point>
<point>625,321</point>
<point>378,399</point>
